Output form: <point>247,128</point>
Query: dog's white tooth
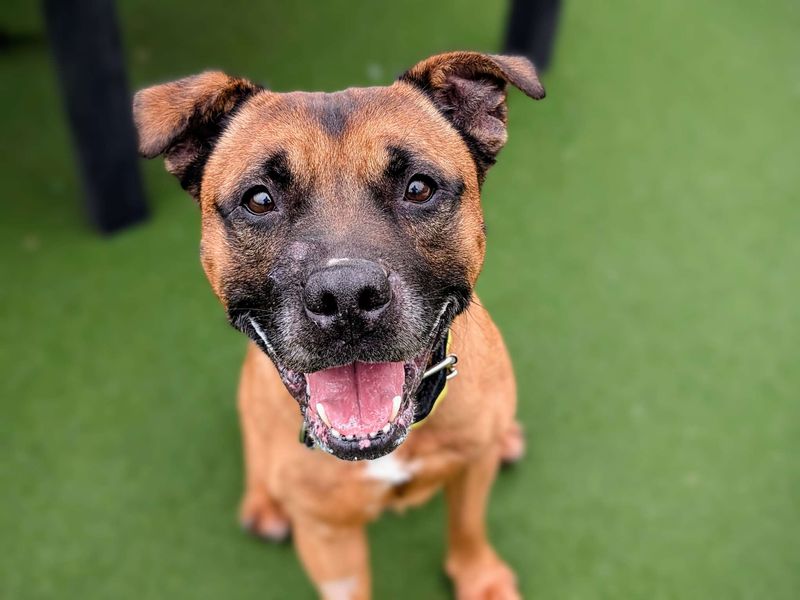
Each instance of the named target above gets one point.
<point>322,415</point>
<point>395,407</point>
<point>386,428</point>
<point>351,437</point>
<point>335,433</point>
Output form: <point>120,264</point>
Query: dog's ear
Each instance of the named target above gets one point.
<point>182,120</point>
<point>469,88</point>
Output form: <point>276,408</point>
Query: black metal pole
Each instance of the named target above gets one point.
<point>87,49</point>
<point>531,30</point>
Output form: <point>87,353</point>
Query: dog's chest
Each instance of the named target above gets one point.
<point>391,470</point>
<point>406,479</point>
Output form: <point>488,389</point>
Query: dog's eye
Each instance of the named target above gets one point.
<point>257,200</point>
<point>420,189</point>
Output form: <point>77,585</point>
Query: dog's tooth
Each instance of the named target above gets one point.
<point>386,428</point>
<point>335,433</point>
<point>322,415</point>
<point>395,407</point>
<point>351,437</point>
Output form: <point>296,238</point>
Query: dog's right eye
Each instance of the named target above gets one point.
<point>420,189</point>
<point>258,201</point>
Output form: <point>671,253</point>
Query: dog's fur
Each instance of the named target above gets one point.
<point>336,165</point>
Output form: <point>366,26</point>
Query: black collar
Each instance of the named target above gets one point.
<point>431,388</point>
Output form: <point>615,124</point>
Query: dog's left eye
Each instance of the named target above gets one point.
<point>258,201</point>
<point>420,189</point>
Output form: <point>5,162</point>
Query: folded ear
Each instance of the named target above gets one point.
<point>469,88</point>
<point>183,119</point>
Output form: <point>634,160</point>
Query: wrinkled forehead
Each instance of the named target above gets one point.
<point>330,137</point>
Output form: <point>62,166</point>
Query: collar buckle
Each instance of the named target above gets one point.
<point>448,363</point>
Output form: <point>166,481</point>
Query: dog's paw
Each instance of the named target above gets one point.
<point>512,445</point>
<point>260,516</point>
<point>488,579</point>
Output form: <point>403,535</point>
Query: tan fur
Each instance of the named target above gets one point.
<point>335,144</point>
<point>328,501</point>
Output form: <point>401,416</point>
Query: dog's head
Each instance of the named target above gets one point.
<point>342,232</point>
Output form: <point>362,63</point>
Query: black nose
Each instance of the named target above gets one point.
<point>352,292</point>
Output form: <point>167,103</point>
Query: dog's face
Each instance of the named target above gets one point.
<point>342,232</point>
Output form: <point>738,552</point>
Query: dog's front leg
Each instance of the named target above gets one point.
<point>472,564</point>
<point>335,557</point>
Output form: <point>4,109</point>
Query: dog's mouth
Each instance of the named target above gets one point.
<point>361,410</point>
<point>357,402</point>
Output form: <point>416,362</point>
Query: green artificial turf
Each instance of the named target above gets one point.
<point>644,264</point>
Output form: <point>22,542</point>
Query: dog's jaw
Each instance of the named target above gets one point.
<point>365,445</point>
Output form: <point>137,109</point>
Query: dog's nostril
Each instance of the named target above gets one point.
<point>370,299</point>
<point>327,305</point>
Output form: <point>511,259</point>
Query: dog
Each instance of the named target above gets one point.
<point>343,234</point>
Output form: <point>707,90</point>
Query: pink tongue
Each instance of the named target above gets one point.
<point>357,397</point>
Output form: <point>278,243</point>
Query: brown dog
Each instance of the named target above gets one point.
<point>343,234</point>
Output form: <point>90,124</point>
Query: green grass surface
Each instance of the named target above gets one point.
<point>644,264</point>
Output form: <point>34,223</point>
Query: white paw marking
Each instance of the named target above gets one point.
<point>339,589</point>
